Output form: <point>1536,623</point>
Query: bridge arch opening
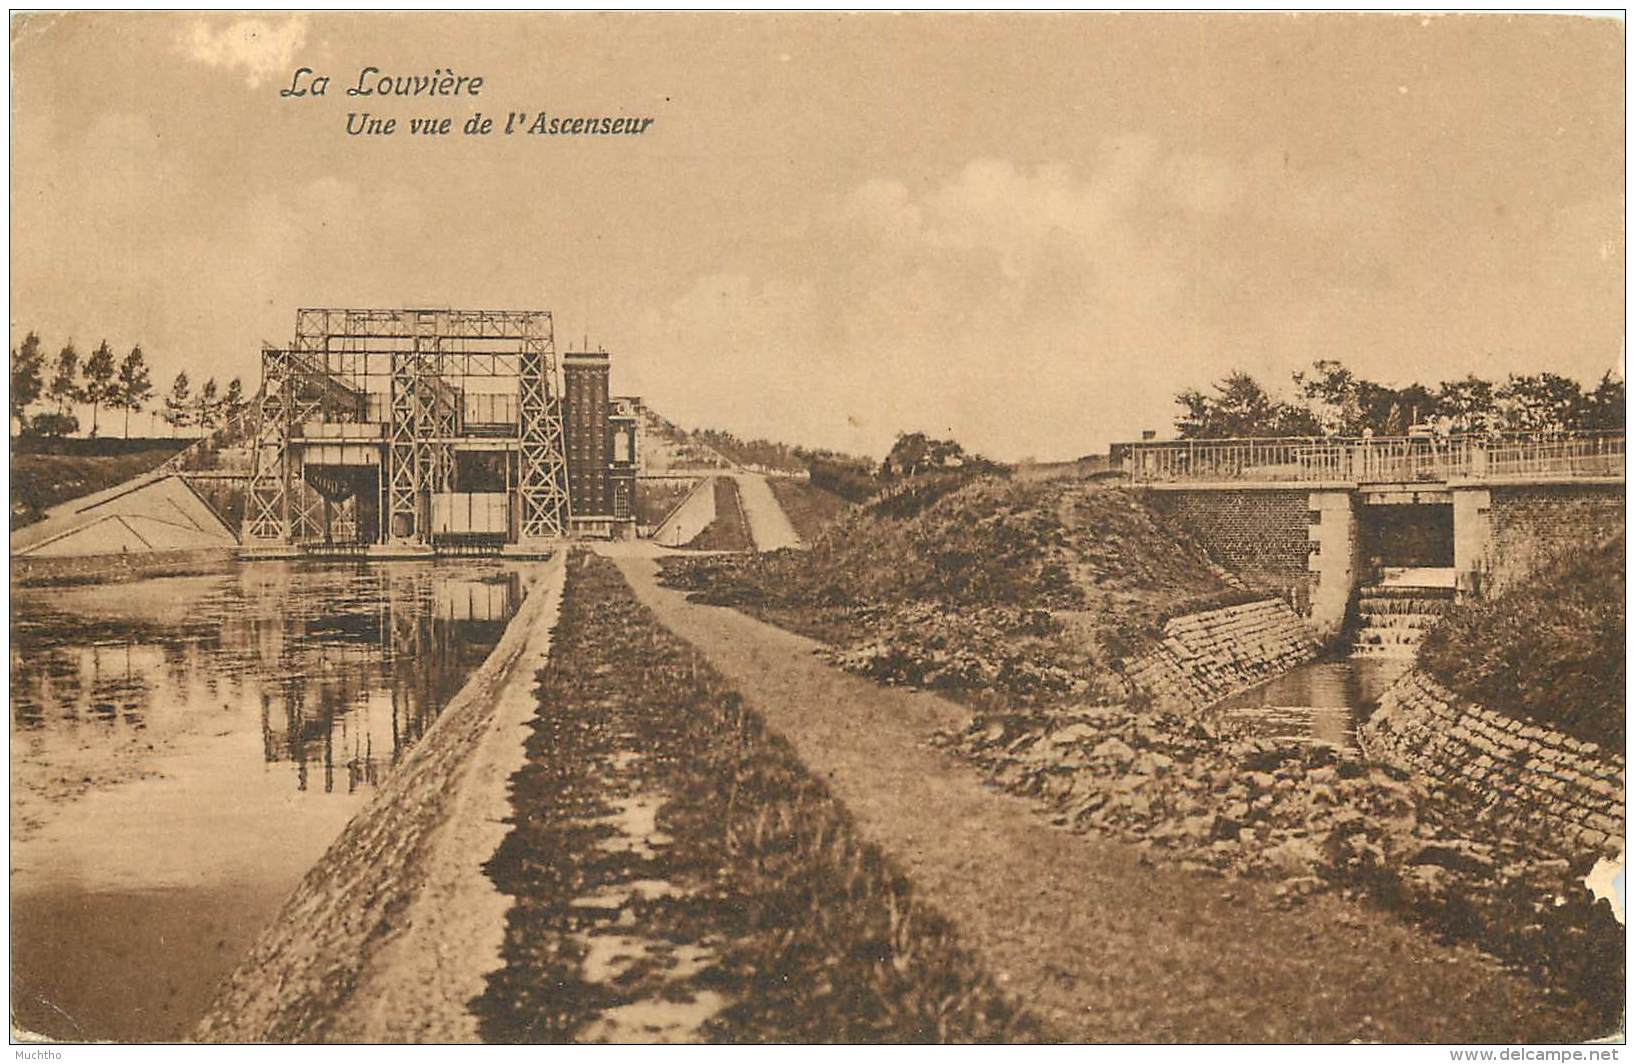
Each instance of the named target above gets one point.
<point>1407,536</point>
<point>1406,542</point>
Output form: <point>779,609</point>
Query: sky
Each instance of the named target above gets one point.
<point>1025,231</point>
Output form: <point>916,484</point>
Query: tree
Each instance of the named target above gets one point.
<point>1540,402</point>
<point>53,423</point>
<point>1293,420</point>
<point>1392,411</point>
<point>178,404</point>
<point>1330,392</point>
<point>1467,404</point>
<point>1340,403</point>
<point>915,453</point>
<point>207,407</point>
<point>233,402</point>
<point>1604,406</point>
<point>134,388</point>
<point>910,455</point>
<point>26,382</point>
<point>65,388</point>
<point>1239,407</point>
<point>99,382</point>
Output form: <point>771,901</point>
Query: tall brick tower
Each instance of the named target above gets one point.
<point>586,439</point>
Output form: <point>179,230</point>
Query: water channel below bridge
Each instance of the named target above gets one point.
<point>185,748</point>
<point>1322,700</point>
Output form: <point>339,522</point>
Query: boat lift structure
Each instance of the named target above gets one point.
<point>410,432</point>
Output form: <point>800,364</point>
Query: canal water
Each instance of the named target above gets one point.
<point>1323,700</point>
<point>185,748</point>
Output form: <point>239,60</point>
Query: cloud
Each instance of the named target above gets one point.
<point>260,48</point>
<point>1048,310</point>
<point>998,304</point>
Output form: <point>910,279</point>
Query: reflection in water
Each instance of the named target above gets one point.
<point>346,667</point>
<point>184,749</point>
<point>1324,700</point>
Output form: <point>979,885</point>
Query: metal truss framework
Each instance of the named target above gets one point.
<point>266,510</point>
<point>543,490</point>
<point>406,368</point>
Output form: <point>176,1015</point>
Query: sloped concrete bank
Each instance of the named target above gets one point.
<point>1530,780</point>
<point>392,933</point>
<point>1204,657</point>
<point>689,517</point>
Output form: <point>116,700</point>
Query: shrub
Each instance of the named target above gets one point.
<point>1550,649</point>
<point>51,423</point>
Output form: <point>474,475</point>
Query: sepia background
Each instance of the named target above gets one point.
<point>449,687</point>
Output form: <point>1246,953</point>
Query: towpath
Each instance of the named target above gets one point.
<point>769,526</point>
<point>1104,946</point>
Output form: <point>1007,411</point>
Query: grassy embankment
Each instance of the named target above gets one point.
<point>1022,599</point>
<point>41,480</point>
<point>1031,590</point>
<point>679,873</point>
<point>1551,649</point>
<point>810,508</point>
<point>728,531</point>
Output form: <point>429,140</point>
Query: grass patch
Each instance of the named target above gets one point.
<point>769,902</point>
<point>728,531</point>
<point>656,498</point>
<point>1550,649</point>
<point>810,508</point>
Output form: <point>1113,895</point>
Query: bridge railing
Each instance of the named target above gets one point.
<point>1594,454</point>
<point>1377,459</point>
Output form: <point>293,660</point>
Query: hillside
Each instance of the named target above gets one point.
<point>40,481</point>
<point>1550,650</point>
<point>756,454</point>
<point>1030,589</point>
<point>666,447</point>
<point>1022,598</point>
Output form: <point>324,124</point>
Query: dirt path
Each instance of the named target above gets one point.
<point>1102,945</point>
<point>769,526</point>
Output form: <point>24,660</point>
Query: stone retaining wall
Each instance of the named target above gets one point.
<point>1205,657</point>
<point>1567,793</point>
<point>1261,534</point>
<point>29,571</point>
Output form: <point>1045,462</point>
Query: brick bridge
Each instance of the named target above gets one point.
<point>1320,518</point>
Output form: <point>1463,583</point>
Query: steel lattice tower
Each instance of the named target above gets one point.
<point>391,386</point>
